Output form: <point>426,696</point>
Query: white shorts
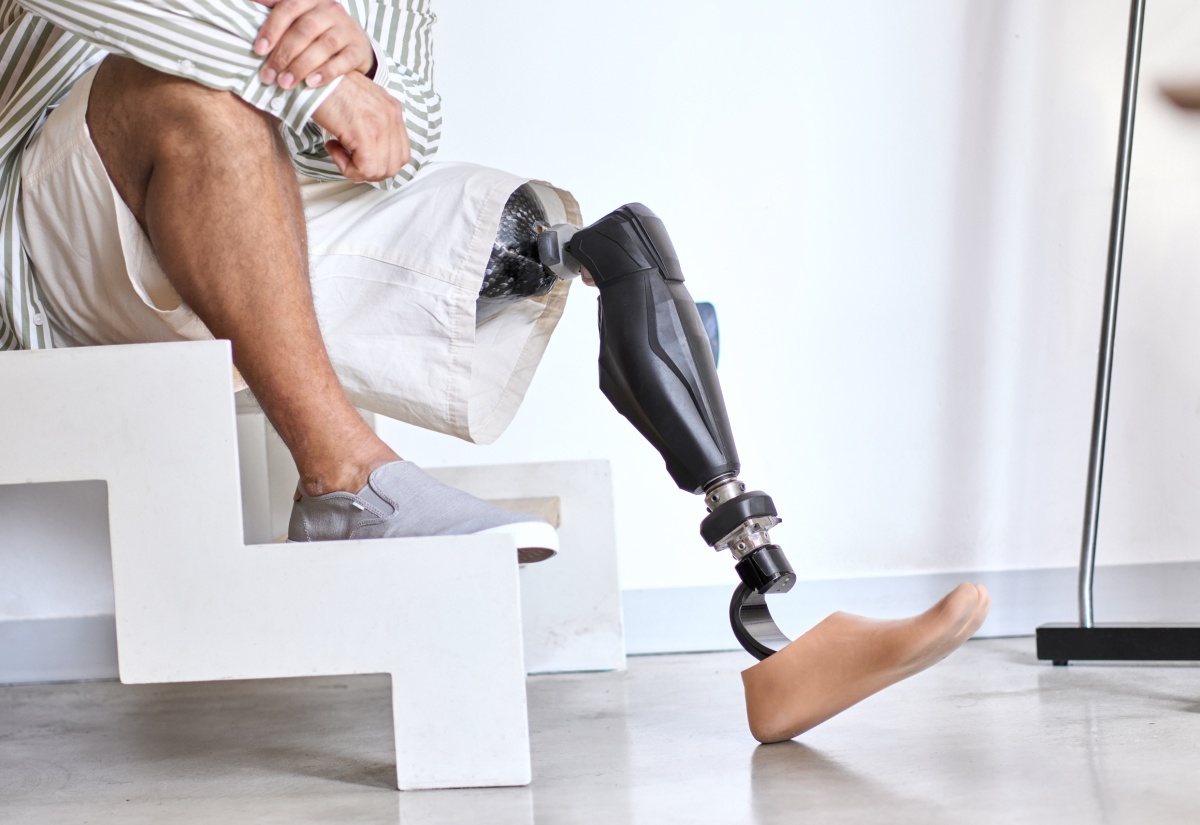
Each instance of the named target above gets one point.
<point>395,277</point>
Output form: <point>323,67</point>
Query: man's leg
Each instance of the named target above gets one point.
<point>209,180</point>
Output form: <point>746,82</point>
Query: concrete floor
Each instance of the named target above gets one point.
<point>990,736</point>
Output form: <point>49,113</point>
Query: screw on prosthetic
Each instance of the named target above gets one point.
<point>657,369</point>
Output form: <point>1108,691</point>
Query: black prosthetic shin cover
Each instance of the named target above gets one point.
<point>656,362</point>
<point>657,369</point>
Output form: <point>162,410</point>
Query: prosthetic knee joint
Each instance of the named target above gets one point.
<point>657,369</point>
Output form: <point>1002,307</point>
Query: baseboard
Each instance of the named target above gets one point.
<point>694,619</point>
<point>75,649</point>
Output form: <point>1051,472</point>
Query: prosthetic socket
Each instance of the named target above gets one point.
<point>657,369</point>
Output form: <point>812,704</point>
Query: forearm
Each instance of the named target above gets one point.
<point>399,31</point>
<point>208,41</point>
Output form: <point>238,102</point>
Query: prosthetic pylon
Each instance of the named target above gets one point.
<point>657,369</point>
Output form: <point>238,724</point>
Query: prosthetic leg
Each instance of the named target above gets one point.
<point>657,369</point>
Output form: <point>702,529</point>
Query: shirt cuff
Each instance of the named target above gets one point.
<point>294,107</point>
<point>382,72</point>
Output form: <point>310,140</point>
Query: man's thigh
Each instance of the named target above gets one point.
<point>94,266</point>
<point>395,273</point>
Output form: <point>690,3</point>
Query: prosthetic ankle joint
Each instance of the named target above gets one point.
<point>657,369</point>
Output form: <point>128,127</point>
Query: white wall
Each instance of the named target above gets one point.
<point>54,555</point>
<point>900,211</point>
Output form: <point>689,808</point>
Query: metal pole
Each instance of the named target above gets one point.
<point>1108,323</point>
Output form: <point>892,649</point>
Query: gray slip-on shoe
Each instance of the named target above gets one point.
<point>402,501</point>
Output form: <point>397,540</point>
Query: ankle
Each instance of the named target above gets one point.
<point>344,476</point>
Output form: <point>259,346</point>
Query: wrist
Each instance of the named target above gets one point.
<point>336,107</point>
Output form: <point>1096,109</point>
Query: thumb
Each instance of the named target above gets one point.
<point>339,154</point>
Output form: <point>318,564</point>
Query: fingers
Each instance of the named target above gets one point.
<point>298,65</point>
<point>341,63</point>
<point>314,41</point>
<point>340,156</point>
<point>404,151</point>
<point>283,14</point>
<point>324,60</point>
<point>369,138</point>
<point>374,161</point>
<point>364,166</point>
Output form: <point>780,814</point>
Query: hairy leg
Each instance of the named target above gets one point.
<point>209,180</point>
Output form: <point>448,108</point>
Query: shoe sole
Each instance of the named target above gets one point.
<point>536,540</point>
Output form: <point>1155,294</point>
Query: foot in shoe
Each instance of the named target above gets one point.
<point>846,658</point>
<point>402,501</point>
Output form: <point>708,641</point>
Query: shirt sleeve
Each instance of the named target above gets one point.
<point>403,30</point>
<point>401,35</point>
<point>208,41</point>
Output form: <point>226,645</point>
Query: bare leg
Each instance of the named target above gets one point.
<point>846,658</point>
<point>208,178</point>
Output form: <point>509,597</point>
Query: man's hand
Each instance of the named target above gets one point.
<point>311,40</point>
<point>368,124</point>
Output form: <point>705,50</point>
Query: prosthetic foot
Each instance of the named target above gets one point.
<point>787,694</point>
<point>657,369</point>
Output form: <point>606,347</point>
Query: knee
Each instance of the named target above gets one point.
<point>135,108</point>
<point>144,123</point>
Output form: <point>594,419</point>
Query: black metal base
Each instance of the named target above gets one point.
<point>1061,643</point>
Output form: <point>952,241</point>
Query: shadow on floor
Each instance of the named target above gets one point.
<point>789,778</point>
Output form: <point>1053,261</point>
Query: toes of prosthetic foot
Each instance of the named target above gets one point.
<point>977,618</point>
<point>847,658</point>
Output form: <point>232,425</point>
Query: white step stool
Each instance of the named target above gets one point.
<point>194,603</point>
<point>570,605</point>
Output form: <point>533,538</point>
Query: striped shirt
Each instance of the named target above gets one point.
<point>46,45</point>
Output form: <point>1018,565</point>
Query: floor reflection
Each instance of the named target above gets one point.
<point>495,806</point>
<point>580,727</point>
<point>789,779</point>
